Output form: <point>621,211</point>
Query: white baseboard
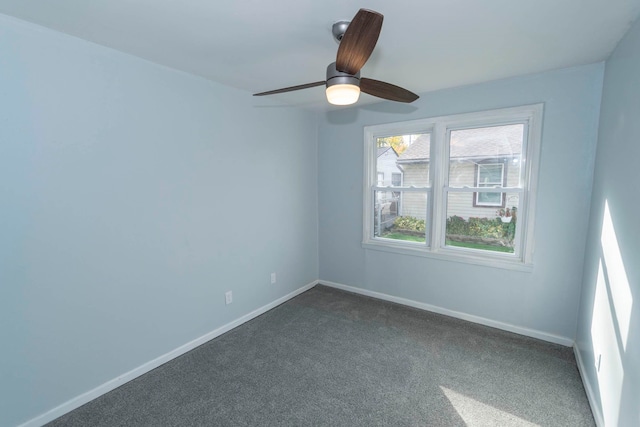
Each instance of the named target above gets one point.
<point>593,402</point>
<point>567,342</point>
<point>80,400</point>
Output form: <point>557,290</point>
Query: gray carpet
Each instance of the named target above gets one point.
<point>332,358</point>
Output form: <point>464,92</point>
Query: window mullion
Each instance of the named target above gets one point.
<point>439,174</point>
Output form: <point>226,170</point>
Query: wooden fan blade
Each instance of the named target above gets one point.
<point>386,90</point>
<point>291,88</point>
<point>358,41</point>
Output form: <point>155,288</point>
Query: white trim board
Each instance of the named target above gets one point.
<point>593,402</point>
<point>557,339</point>
<point>88,396</point>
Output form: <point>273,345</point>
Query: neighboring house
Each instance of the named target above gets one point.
<point>482,157</point>
<point>389,174</point>
<point>387,168</point>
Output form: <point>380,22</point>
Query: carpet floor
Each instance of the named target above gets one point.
<point>333,358</point>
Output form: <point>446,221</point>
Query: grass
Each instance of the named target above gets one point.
<point>470,245</point>
<point>479,246</point>
<point>407,237</point>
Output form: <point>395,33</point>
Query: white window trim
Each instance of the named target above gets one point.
<point>439,127</point>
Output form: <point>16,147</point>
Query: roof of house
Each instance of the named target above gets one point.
<point>485,142</point>
<point>382,150</point>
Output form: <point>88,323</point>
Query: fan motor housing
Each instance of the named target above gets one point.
<point>335,77</point>
<point>338,29</point>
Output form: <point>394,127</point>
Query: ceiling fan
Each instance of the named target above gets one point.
<point>357,40</point>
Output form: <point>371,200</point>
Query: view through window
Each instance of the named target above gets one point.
<point>458,185</point>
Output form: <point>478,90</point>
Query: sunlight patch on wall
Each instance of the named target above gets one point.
<point>475,413</point>
<point>608,362</point>
<point>617,276</point>
<point>610,320</point>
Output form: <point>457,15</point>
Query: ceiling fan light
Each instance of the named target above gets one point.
<point>343,94</point>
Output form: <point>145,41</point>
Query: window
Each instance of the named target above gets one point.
<point>380,179</point>
<point>489,175</point>
<point>463,186</point>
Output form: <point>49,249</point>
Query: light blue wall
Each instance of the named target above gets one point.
<point>132,197</point>
<point>546,299</point>
<point>609,322</point>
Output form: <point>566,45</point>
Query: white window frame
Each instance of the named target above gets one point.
<point>440,128</point>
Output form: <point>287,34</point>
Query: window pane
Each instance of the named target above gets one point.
<point>404,159</point>
<point>486,156</point>
<point>490,174</point>
<point>400,215</point>
<point>479,227</point>
<point>489,199</point>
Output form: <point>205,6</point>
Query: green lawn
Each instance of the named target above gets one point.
<point>407,237</point>
<point>420,239</point>
<point>479,246</point>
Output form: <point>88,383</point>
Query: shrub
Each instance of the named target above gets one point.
<point>492,228</point>
<point>485,227</point>
<point>509,229</point>
<point>457,225</point>
<point>409,223</point>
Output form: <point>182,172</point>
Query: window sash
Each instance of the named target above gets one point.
<point>427,191</point>
<point>483,189</point>
<point>504,191</point>
<point>407,189</point>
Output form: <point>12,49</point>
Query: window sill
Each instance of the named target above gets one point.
<point>451,255</point>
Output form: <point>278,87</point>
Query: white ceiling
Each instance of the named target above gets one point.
<point>259,45</point>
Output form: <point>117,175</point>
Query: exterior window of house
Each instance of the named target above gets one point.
<point>463,186</point>
<point>489,175</point>
<point>380,179</point>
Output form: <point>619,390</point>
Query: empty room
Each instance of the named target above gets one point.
<point>297,213</point>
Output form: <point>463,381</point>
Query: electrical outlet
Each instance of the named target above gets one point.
<point>273,278</point>
<point>228,297</point>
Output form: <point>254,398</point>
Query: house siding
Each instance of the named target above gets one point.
<point>460,204</point>
<point>414,204</point>
<point>386,164</point>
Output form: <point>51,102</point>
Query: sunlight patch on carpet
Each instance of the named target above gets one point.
<point>475,413</point>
